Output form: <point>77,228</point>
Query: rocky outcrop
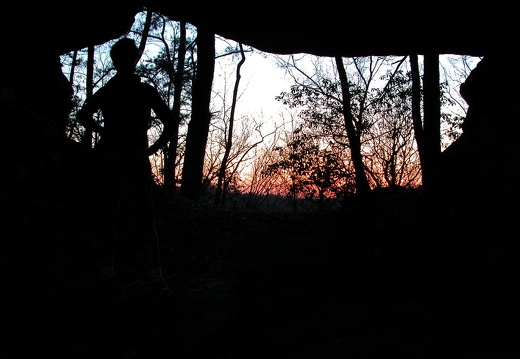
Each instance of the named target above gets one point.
<point>482,168</point>
<point>356,29</point>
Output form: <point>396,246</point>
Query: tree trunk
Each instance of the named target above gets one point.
<point>87,135</point>
<point>229,142</point>
<point>416,110</point>
<point>432,120</point>
<point>146,29</point>
<point>198,127</point>
<point>71,81</point>
<point>171,152</point>
<point>362,185</point>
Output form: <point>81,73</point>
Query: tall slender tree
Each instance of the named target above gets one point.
<point>432,120</point>
<point>73,64</point>
<point>87,135</point>
<point>171,152</point>
<point>199,124</point>
<point>146,30</point>
<point>229,139</point>
<point>416,109</point>
<point>362,185</point>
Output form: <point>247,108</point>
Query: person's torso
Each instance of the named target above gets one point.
<point>126,108</point>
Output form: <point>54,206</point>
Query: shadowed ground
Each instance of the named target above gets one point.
<point>392,275</point>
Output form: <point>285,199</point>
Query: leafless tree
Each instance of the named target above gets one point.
<point>229,138</point>
<point>353,131</point>
<point>199,125</point>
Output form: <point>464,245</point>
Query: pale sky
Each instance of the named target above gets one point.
<point>261,81</point>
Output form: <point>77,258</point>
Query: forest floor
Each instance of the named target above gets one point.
<point>392,276</point>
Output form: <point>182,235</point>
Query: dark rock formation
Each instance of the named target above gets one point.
<point>354,29</point>
<point>482,167</point>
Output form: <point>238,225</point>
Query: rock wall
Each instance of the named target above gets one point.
<point>483,166</point>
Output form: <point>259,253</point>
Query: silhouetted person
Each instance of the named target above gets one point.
<point>126,180</point>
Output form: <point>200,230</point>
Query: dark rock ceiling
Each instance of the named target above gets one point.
<point>325,28</point>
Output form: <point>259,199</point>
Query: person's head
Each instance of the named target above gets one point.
<point>125,55</point>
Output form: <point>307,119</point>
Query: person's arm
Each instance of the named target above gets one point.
<point>85,115</point>
<point>165,115</point>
